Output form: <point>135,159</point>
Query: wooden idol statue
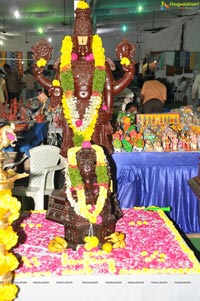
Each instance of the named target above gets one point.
<point>85,86</point>
<point>84,82</point>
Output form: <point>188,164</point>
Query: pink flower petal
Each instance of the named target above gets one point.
<point>79,123</point>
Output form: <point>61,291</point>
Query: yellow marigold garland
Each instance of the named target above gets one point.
<point>8,237</point>
<point>9,204</point>
<point>56,83</point>
<point>125,61</point>
<point>66,50</point>
<point>85,127</point>
<point>9,211</point>
<point>98,51</point>
<point>8,263</point>
<point>41,62</point>
<point>8,292</point>
<point>82,5</point>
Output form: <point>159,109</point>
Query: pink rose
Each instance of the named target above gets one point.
<point>89,57</point>
<point>74,56</point>
<point>79,123</point>
<point>104,107</point>
<point>86,144</point>
<point>92,208</point>
<point>99,220</point>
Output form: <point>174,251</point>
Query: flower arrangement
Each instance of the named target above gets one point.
<point>9,205</point>
<point>8,292</point>
<point>8,263</point>
<point>83,128</point>
<point>125,61</point>
<point>56,83</point>
<point>9,211</point>
<point>74,182</point>
<point>82,5</point>
<point>41,62</point>
<point>8,237</point>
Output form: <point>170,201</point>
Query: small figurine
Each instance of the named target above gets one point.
<point>167,144</point>
<point>148,146</point>
<point>183,141</point>
<point>139,142</point>
<point>174,141</point>
<point>7,136</point>
<point>194,142</point>
<point>187,144</point>
<point>24,114</point>
<point>158,146</point>
<point>117,144</point>
<point>126,123</point>
<point>133,135</point>
<point>164,138</point>
<point>127,143</point>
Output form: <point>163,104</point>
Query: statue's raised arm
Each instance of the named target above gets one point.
<point>125,51</point>
<point>42,53</point>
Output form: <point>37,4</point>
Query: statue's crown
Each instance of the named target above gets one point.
<point>83,24</point>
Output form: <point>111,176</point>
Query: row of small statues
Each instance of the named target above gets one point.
<point>21,110</point>
<point>146,141</point>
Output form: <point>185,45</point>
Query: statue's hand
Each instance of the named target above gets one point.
<point>130,68</point>
<point>55,94</point>
<point>37,70</point>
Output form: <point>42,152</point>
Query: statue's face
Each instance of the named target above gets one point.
<point>87,169</point>
<point>83,46</point>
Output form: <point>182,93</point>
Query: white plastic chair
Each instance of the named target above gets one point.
<point>44,161</point>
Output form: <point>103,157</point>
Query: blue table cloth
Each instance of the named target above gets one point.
<point>160,179</point>
<point>31,138</point>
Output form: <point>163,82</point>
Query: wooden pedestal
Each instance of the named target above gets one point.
<point>76,227</point>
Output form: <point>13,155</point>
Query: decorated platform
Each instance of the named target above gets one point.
<point>153,245</point>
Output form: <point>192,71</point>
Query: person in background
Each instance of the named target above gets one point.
<point>3,88</point>
<point>132,107</point>
<point>30,84</point>
<point>196,88</point>
<point>153,95</point>
<point>183,85</point>
<point>140,80</point>
<point>181,90</point>
<point>13,80</point>
<point>122,99</point>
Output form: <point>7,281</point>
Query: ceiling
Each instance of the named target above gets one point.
<point>158,27</point>
<point>56,17</point>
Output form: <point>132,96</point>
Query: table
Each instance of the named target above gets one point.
<point>30,138</point>
<point>160,179</point>
<point>119,275</point>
